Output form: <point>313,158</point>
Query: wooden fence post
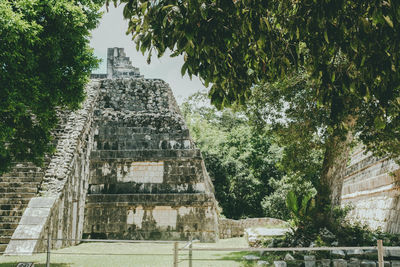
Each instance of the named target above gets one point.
<point>190,252</point>
<point>380,253</point>
<point>175,254</point>
<point>48,248</point>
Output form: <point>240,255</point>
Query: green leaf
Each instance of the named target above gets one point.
<point>184,69</point>
<point>326,36</point>
<point>305,204</point>
<point>388,21</point>
<point>166,7</point>
<point>267,23</point>
<point>353,46</point>
<point>352,87</point>
<point>143,6</point>
<point>291,202</point>
<point>379,123</point>
<point>363,60</point>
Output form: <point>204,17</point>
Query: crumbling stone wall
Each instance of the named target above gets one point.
<point>147,178</point>
<point>119,65</point>
<point>59,207</point>
<point>371,187</point>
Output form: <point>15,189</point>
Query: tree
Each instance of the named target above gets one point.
<point>287,108</point>
<point>45,61</point>
<point>240,159</point>
<point>348,49</point>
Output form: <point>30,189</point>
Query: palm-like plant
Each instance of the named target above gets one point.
<point>302,208</point>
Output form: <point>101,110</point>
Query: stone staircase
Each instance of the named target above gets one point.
<point>16,189</point>
<point>18,186</point>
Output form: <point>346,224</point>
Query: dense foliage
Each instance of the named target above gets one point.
<point>297,123</point>
<point>240,160</point>
<point>274,204</point>
<point>289,110</point>
<point>45,61</point>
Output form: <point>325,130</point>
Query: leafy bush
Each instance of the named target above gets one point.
<point>274,204</point>
<point>307,231</point>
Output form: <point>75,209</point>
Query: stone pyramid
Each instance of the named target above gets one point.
<point>147,179</point>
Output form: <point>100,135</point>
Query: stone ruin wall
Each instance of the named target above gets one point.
<point>147,178</point>
<point>371,187</point>
<point>60,204</point>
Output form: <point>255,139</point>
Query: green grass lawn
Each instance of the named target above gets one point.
<point>141,254</point>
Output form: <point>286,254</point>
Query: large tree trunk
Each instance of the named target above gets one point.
<point>334,167</point>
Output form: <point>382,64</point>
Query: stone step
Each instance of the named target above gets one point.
<point>121,133</point>
<point>5,239</point>
<point>10,219</point>
<point>18,189</point>
<point>150,154</point>
<point>128,130</point>
<point>188,186</point>
<point>25,168</point>
<point>22,174</point>
<point>14,200</point>
<point>134,199</point>
<point>13,207</point>
<point>10,226</point>
<point>37,179</point>
<point>19,184</point>
<point>3,247</point>
<point>6,232</point>
<point>135,144</point>
<point>17,195</point>
<point>4,213</point>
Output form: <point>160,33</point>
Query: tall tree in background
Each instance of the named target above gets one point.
<point>45,61</point>
<point>349,50</point>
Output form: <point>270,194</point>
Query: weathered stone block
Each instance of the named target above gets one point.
<point>339,263</point>
<point>324,263</point>
<point>280,264</point>
<point>368,263</point>
<point>354,252</point>
<point>392,252</point>
<point>395,263</point>
<point>309,261</point>
<point>338,253</point>
<point>354,262</point>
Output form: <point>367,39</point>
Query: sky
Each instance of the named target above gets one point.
<point>111,33</point>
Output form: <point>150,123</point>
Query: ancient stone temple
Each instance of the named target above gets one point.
<point>147,179</point>
<point>125,168</point>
